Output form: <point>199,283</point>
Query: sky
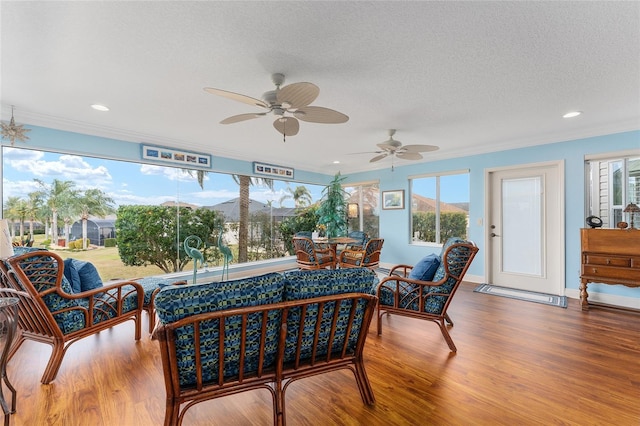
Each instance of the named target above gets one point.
<point>128,183</point>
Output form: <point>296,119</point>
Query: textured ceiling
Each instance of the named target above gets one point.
<point>470,77</point>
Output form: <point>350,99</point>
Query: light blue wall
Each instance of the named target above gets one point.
<point>394,224</point>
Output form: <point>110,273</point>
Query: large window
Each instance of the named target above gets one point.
<point>613,184</point>
<point>50,197</point>
<point>439,207</point>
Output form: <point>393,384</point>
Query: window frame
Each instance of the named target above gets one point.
<point>410,203</point>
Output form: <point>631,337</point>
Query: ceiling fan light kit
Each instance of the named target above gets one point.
<point>289,104</point>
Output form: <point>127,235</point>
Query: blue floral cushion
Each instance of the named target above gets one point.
<point>426,268</point>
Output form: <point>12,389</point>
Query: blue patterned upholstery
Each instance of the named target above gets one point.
<point>176,302</point>
<point>309,284</point>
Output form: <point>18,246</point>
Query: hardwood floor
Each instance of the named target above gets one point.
<point>518,363</point>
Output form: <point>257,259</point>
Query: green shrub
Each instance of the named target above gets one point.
<point>109,242</point>
<point>451,225</point>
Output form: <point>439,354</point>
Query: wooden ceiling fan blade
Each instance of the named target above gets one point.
<point>314,114</point>
<point>236,97</point>
<point>297,95</point>
<point>242,117</point>
<point>288,126</point>
<point>378,158</point>
<point>409,156</point>
<point>420,148</point>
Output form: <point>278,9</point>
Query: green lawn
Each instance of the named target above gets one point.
<point>108,263</point>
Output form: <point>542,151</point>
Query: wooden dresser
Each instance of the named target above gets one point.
<point>609,256</point>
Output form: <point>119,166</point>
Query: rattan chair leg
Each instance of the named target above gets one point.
<point>447,336</point>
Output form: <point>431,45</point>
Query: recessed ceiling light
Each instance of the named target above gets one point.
<point>99,107</point>
<point>336,162</point>
<point>572,114</point>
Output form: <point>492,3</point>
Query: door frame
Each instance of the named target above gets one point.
<point>488,197</point>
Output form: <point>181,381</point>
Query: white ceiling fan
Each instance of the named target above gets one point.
<point>394,148</point>
<point>289,104</point>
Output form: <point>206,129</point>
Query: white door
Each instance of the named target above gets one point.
<point>525,231</point>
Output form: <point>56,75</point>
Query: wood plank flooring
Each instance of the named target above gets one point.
<point>518,363</point>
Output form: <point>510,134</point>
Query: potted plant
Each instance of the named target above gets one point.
<point>333,208</point>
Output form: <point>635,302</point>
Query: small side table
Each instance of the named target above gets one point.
<point>8,327</point>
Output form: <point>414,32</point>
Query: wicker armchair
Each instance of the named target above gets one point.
<point>310,256</point>
<point>48,311</point>
<point>429,300</point>
<point>366,257</point>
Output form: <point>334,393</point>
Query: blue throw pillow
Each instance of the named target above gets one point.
<point>426,268</point>
<point>89,277</point>
<point>71,274</point>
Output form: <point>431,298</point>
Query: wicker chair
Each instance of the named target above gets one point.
<point>361,238</point>
<point>366,257</point>
<point>48,311</point>
<point>310,256</point>
<point>429,300</point>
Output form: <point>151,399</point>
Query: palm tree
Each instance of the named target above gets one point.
<point>34,205</point>
<point>12,211</point>
<point>300,195</point>
<point>244,182</point>
<point>57,195</point>
<point>97,203</point>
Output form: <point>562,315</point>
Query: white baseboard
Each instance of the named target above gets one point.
<point>608,299</point>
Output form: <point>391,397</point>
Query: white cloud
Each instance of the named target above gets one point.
<point>67,167</point>
<point>170,173</point>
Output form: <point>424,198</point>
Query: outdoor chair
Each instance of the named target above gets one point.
<point>310,256</point>
<point>365,257</point>
<point>49,312</point>
<point>425,291</point>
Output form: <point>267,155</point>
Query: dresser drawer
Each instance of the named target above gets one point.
<point>600,259</point>
<point>635,262</point>
<point>610,273</point>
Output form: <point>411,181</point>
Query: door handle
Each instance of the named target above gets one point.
<point>493,234</point>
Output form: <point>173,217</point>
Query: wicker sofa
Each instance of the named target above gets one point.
<point>262,332</point>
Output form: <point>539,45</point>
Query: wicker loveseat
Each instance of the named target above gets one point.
<point>262,332</point>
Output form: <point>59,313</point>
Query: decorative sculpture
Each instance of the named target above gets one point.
<point>194,253</point>
<point>226,253</point>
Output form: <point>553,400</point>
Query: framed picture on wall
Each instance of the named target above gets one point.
<point>393,200</point>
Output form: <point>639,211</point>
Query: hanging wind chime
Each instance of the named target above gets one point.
<point>13,132</point>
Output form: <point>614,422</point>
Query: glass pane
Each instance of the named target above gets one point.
<point>454,206</point>
<point>616,183</point>
<point>423,209</point>
<point>364,200</point>
<point>634,181</point>
<point>521,226</point>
